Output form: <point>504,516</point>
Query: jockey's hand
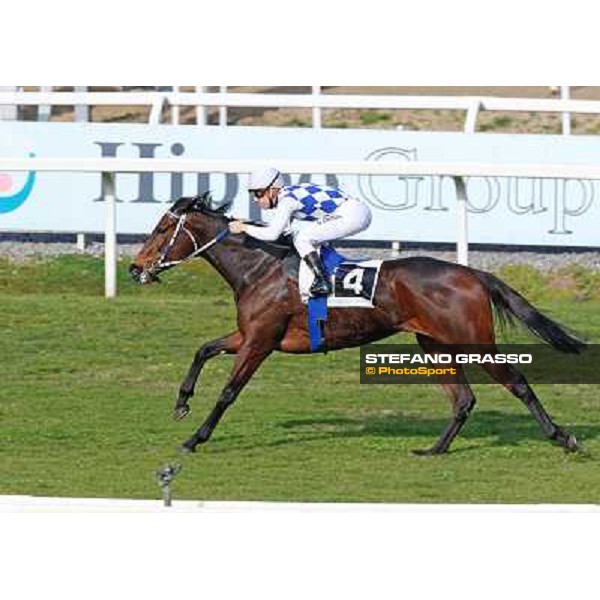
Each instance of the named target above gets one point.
<point>237,227</point>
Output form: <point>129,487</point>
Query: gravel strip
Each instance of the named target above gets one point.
<point>17,252</point>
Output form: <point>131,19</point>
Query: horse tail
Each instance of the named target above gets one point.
<point>508,303</point>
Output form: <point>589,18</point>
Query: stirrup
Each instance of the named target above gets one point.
<point>320,287</point>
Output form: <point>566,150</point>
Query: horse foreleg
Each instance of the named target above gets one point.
<point>228,344</point>
<point>247,361</point>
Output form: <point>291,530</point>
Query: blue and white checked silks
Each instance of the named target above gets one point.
<point>318,201</point>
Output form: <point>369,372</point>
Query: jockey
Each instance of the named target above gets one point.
<point>332,215</point>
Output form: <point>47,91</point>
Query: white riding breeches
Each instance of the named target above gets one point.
<point>351,217</point>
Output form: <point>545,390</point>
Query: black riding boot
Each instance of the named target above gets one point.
<point>321,285</point>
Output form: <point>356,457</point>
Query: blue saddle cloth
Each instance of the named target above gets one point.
<point>317,307</point>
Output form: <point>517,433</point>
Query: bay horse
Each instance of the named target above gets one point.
<point>442,303</point>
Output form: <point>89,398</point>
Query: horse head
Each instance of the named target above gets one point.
<point>182,233</point>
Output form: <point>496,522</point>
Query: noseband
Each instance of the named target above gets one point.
<point>163,263</point>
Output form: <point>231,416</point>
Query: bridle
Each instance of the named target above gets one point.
<point>163,262</point>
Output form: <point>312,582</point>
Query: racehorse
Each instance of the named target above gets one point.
<point>442,303</point>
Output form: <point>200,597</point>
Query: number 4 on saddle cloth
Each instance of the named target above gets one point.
<point>354,284</point>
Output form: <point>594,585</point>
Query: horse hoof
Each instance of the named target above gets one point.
<point>426,452</point>
<point>571,444</point>
<point>184,449</point>
<point>181,412</point>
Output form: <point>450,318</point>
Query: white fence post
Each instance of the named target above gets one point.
<point>462,208</point>
<point>316,111</point>
<point>472,114</point>
<point>201,110</point>
<point>8,112</point>
<point>462,214</point>
<point>44,110</point>
<point>156,110</point>
<point>223,109</point>
<point>82,115</point>
<point>565,92</point>
<point>175,107</point>
<point>82,111</point>
<point>110,235</point>
<point>80,242</point>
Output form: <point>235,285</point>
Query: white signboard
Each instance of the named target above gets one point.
<point>417,209</point>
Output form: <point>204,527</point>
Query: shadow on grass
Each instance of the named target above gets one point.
<point>491,428</point>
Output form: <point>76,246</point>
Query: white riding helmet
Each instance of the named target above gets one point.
<point>264,178</point>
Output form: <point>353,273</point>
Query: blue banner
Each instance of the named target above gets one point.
<point>416,209</point>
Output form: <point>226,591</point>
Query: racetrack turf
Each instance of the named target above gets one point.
<point>88,386</point>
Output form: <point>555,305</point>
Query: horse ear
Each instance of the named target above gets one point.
<point>205,202</point>
<point>202,201</point>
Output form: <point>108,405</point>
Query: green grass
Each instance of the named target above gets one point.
<point>88,385</point>
<point>497,122</point>
<point>297,122</point>
<point>372,117</point>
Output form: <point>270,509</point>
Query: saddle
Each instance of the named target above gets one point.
<point>354,281</point>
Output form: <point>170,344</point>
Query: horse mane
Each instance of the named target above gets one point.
<point>203,204</point>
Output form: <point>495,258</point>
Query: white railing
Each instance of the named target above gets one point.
<point>458,171</point>
<point>17,503</point>
<point>154,100</point>
<point>317,101</point>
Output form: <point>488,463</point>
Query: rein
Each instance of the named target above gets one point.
<point>163,263</point>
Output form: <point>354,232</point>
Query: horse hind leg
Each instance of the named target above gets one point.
<point>517,385</point>
<point>461,396</point>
